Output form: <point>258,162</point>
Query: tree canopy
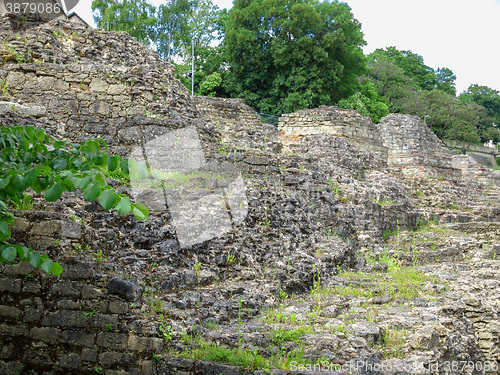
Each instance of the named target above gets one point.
<point>287,55</point>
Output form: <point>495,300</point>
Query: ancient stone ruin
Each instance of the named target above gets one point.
<point>342,248</point>
<point>359,130</point>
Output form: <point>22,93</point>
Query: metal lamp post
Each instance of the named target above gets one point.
<point>193,39</point>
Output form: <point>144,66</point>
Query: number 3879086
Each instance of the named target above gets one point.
<point>32,7</point>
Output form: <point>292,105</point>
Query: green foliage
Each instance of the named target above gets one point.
<point>280,335</point>
<point>31,159</point>
<point>135,17</point>
<point>208,86</point>
<point>367,102</point>
<point>489,99</point>
<point>288,55</point>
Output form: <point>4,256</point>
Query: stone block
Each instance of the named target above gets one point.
<point>89,355</point>
<point>125,289</point>
<point>112,340</point>
<point>78,338</point>
<point>13,330</point>
<point>98,85</point>
<point>114,358</point>
<point>10,285</point>
<point>46,334</point>
<point>10,312</point>
<point>145,344</point>
<point>71,361</point>
<point>100,108</point>
<point>65,318</point>
<point>117,307</point>
<point>211,368</point>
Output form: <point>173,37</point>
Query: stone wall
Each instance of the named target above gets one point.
<point>238,124</point>
<point>91,86</point>
<point>472,170</point>
<point>482,154</point>
<point>79,323</point>
<point>414,149</point>
<point>359,131</point>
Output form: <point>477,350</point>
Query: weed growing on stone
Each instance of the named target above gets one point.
<point>99,257</point>
<point>4,86</point>
<point>166,332</point>
<point>392,343</point>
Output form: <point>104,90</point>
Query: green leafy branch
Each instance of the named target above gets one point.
<point>30,158</point>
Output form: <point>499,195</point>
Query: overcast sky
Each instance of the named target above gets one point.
<point>462,35</point>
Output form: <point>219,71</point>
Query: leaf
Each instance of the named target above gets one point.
<point>4,229</point>
<point>40,135</point>
<point>60,164</point>
<point>101,179</point>
<point>30,177</point>
<point>113,162</point>
<point>69,184</point>
<point>22,251</point>
<point>92,192</point>
<point>4,182</point>
<point>54,192</point>
<point>108,199</point>
<point>46,265</point>
<point>125,166</point>
<point>9,253</point>
<point>124,207</point>
<point>56,269</point>
<point>82,183</point>
<point>140,211</point>
<point>34,258</point>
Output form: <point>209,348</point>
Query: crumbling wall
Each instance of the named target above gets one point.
<point>359,131</point>
<point>92,86</point>
<point>414,149</point>
<point>472,170</point>
<point>238,124</point>
<point>81,322</point>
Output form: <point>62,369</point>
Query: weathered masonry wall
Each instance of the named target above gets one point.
<point>472,170</point>
<point>359,131</point>
<point>91,86</point>
<point>83,322</point>
<point>238,124</point>
<point>415,149</point>
<point>482,154</point>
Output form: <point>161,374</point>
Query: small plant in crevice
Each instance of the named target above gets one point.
<point>166,332</point>
<point>197,269</point>
<point>88,315</point>
<point>99,257</point>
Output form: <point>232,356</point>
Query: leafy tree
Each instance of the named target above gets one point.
<point>135,17</point>
<point>173,26</point>
<point>446,81</point>
<point>412,65</point>
<point>367,102</point>
<point>285,55</point>
<point>209,85</point>
<point>31,159</point>
<point>390,80</point>
<point>489,99</point>
<point>179,21</point>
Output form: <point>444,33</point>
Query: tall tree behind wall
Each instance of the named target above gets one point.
<point>285,55</point>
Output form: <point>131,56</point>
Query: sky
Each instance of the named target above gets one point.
<point>461,35</point>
